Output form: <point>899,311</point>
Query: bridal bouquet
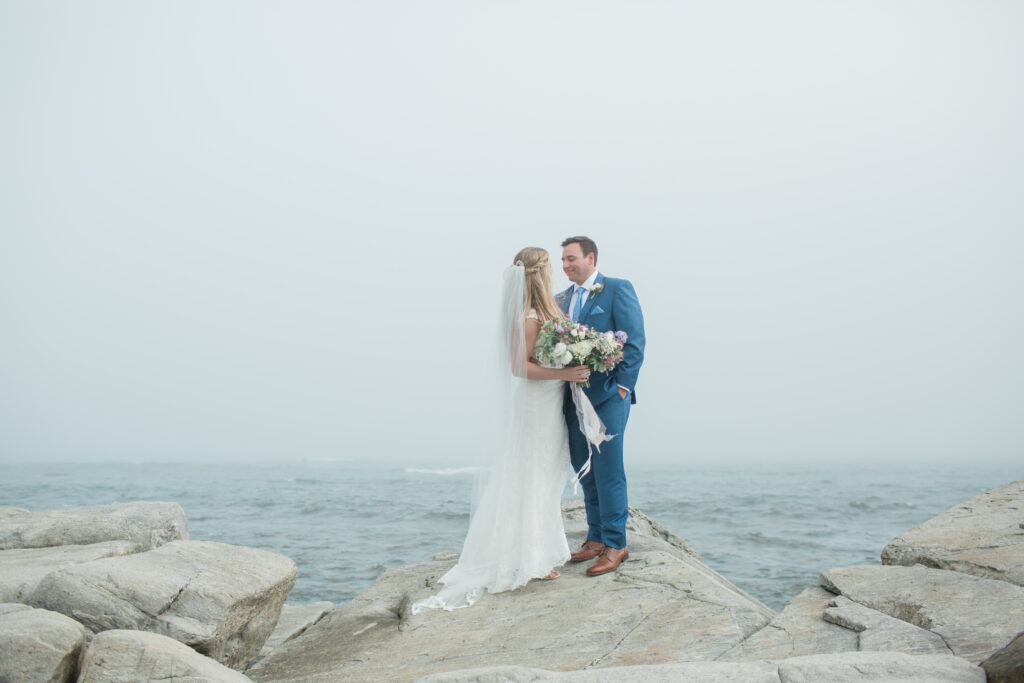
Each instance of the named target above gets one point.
<point>562,343</point>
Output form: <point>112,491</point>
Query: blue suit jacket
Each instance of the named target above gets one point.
<point>615,307</point>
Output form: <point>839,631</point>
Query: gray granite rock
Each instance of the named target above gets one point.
<point>8,607</point>
<point>982,536</point>
<point>818,622</point>
<point>1007,665</point>
<point>889,667</point>
<point>974,616</point>
<point>128,656</point>
<point>705,672</point>
<point>222,600</point>
<point>845,667</point>
<point>797,630</point>
<point>293,621</point>
<point>145,525</point>
<point>6,512</point>
<point>877,631</point>
<point>22,569</point>
<point>37,645</point>
<point>664,604</point>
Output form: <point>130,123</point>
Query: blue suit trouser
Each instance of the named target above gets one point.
<point>604,488</point>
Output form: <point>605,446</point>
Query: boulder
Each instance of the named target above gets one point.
<point>845,667</point>
<point>982,537</point>
<point>220,599</point>
<point>705,672</point>
<point>6,512</point>
<point>37,645</point>
<point>127,656</point>
<point>146,525</point>
<point>8,607</point>
<point>662,605</point>
<point>1007,665</point>
<point>877,631</point>
<point>974,616</point>
<point>293,621</point>
<point>22,569</point>
<point>797,630</point>
<point>890,667</point>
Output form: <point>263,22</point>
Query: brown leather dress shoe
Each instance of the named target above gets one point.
<point>609,561</point>
<point>589,551</point>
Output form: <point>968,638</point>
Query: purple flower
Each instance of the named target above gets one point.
<point>621,336</point>
<point>559,329</point>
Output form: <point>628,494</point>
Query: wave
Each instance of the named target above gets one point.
<point>865,505</point>
<point>447,514</point>
<point>445,471</point>
<point>761,538</point>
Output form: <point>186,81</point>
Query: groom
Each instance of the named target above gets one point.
<point>603,303</point>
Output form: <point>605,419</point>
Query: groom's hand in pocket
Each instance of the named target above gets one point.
<point>623,393</point>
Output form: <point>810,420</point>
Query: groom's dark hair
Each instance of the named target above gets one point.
<point>586,244</point>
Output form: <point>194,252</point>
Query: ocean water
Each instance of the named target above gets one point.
<point>770,530</point>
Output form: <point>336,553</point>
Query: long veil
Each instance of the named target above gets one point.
<point>505,378</point>
<point>481,563</point>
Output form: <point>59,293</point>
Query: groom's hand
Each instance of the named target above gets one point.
<point>623,393</point>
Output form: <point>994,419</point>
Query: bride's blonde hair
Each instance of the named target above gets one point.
<point>537,263</point>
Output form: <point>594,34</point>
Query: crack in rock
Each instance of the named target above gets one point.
<point>173,600</point>
<point>401,611</point>
<point>634,579</point>
<point>744,639</point>
<point>944,642</point>
<point>621,640</point>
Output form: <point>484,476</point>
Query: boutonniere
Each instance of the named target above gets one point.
<point>597,289</point>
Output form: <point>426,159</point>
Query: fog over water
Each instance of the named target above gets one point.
<point>249,231</point>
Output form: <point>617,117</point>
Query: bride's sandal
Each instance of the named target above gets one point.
<point>552,575</point>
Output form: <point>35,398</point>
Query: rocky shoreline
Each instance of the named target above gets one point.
<point>120,593</point>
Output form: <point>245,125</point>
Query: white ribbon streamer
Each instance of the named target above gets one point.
<point>591,426</point>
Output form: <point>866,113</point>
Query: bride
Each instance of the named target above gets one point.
<point>515,531</point>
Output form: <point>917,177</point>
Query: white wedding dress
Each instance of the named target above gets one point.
<point>516,532</point>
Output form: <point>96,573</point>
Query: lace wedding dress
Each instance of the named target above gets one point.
<point>516,532</point>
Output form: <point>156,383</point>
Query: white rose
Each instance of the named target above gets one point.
<point>559,350</point>
<point>582,349</point>
<point>566,358</point>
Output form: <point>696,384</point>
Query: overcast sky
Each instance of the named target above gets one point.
<point>272,230</point>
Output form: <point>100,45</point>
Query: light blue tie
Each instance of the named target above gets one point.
<point>577,304</point>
